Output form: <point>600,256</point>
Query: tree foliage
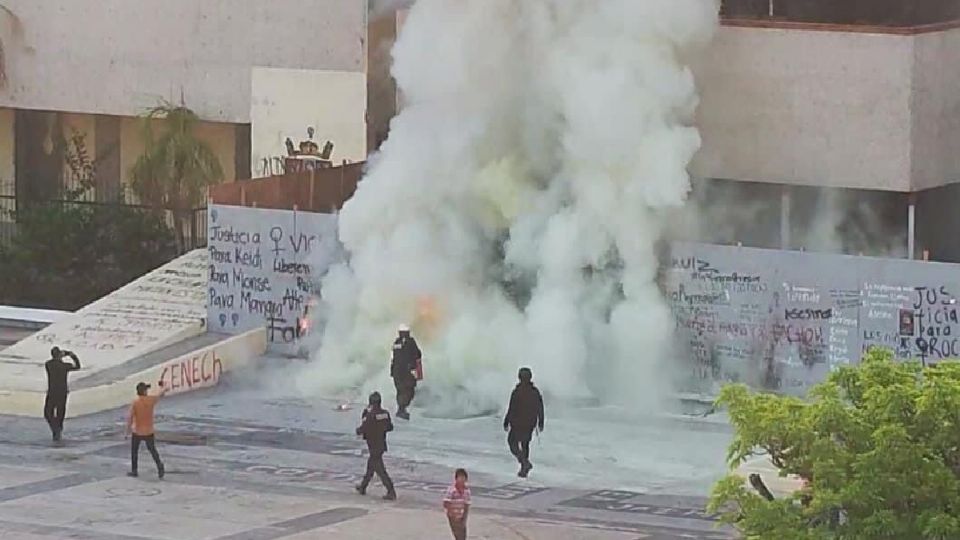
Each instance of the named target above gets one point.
<point>176,167</point>
<point>67,253</point>
<point>877,447</point>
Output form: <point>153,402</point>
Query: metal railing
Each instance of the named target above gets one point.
<point>195,232</point>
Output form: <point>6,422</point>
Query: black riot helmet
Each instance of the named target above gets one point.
<point>374,399</point>
<point>525,375</point>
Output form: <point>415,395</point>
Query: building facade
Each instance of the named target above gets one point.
<point>255,72</point>
<point>828,125</point>
<point>833,126</point>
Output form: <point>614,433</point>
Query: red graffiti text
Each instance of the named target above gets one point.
<point>198,371</point>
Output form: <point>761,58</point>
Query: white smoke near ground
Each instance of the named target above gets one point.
<point>823,220</point>
<point>843,222</point>
<point>720,215</point>
<point>513,214</point>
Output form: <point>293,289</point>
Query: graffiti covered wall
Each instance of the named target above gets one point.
<point>783,319</point>
<point>262,270</point>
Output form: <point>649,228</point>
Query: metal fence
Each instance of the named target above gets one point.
<point>198,235</point>
<point>194,233</point>
<point>8,226</point>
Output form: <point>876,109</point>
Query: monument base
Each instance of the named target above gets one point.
<point>193,364</point>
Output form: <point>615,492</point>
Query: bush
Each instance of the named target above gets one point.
<point>68,254</point>
<point>877,445</point>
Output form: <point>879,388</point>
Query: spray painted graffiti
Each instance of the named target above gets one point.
<point>201,370</point>
<point>262,270</point>
<point>804,314</point>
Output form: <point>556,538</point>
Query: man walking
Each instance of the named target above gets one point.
<point>523,415</point>
<point>403,369</point>
<point>140,423</point>
<point>55,406</point>
<point>375,424</point>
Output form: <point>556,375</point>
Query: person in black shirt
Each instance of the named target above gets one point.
<point>375,424</point>
<point>406,354</point>
<point>55,406</point>
<point>523,415</point>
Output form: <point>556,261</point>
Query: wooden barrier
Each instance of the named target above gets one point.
<point>319,190</point>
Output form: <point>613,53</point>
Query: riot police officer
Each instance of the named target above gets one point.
<point>403,366</point>
<point>374,426</point>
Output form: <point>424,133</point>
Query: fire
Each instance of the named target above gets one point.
<point>428,316</point>
<point>303,323</point>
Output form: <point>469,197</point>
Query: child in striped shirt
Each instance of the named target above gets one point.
<point>457,504</point>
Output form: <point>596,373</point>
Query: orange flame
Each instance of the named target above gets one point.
<point>428,316</point>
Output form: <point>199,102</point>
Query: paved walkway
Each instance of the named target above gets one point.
<point>39,504</point>
<point>231,478</point>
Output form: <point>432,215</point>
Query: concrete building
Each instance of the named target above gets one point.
<point>835,137</point>
<point>832,125</point>
<point>827,124</point>
<point>255,72</point>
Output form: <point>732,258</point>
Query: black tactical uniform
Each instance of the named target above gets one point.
<point>523,415</point>
<point>404,362</point>
<point>375,424</point>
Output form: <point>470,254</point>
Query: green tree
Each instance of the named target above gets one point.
<point>877,446</point>
<point>176,167</point>
<point>67,253</point>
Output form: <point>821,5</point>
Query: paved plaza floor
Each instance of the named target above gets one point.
<point>243,466</point>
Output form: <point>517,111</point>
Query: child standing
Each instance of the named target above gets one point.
<point>457,504</point>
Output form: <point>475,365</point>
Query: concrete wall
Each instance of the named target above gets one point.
<point>196,370</point>
<point>263,268</point>
<point>118,57</point>
<point>936,110</point>
<point>286,102</point>
<point>830,108</point>
<point>806,107</point>
<point>782,320</point>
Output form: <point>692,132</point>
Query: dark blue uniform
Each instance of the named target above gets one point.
<point>375,424</point>
<point>404,362</point>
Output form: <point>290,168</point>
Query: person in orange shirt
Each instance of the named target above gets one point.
<point>140,423</point>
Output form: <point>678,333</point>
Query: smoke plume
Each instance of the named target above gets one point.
<point>512,216</point>
<point>826,220</point>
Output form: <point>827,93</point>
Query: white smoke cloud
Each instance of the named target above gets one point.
<point>512,215</point>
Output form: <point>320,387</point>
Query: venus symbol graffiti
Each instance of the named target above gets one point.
<point>264,266</point>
